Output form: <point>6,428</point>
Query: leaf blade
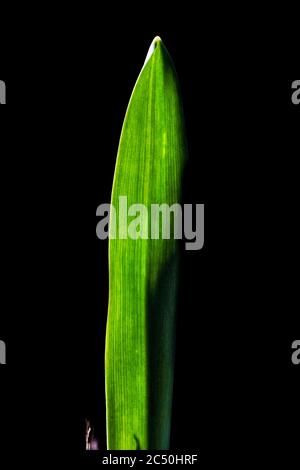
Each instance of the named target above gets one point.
<point>143,273</point>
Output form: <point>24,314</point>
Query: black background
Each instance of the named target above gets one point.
<point>236,390</point>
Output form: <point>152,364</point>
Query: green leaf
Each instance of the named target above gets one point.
<point>143,273</point>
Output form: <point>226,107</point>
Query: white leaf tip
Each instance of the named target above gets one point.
<point>157,40</point>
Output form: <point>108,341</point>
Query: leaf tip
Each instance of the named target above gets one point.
<point>157,40</point>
